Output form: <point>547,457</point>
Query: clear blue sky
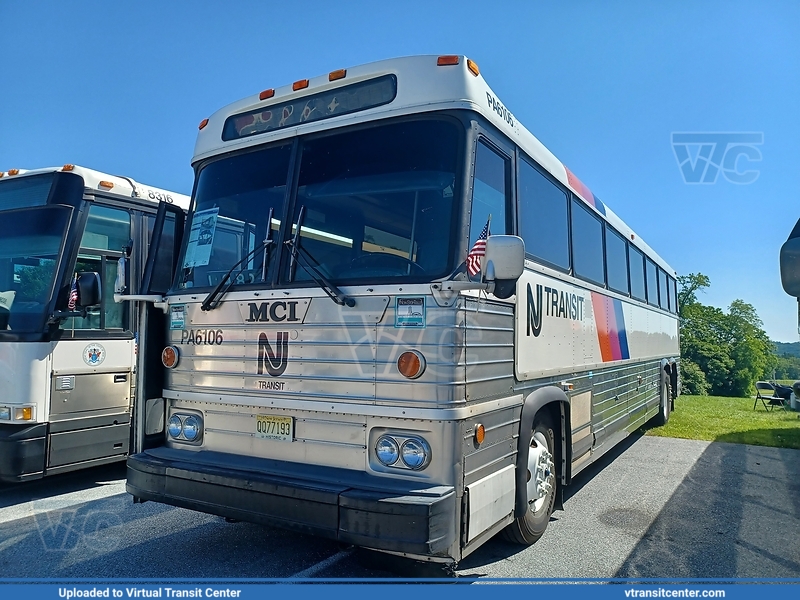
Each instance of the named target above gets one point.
<point>121,87</point>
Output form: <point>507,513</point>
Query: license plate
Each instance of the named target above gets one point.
<point>272,427</point>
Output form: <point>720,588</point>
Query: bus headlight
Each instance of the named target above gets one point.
<point>386,450</point>
<point>175,426</point>
<point>185,427</point>
<point>191,428</point>
<point>415,453</point>
<point>5,413</point>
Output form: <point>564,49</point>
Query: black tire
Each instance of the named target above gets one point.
<point>527,529</point>
<point>664,406</point>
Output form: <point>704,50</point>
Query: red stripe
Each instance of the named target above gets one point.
<point>601,321</point>
<point>579,187</point>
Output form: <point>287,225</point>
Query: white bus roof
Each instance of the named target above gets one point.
<point>104,182</point>
<point>422,86</point>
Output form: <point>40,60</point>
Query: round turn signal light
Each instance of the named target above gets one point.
<point>411,364</point>
<point>169,357</point>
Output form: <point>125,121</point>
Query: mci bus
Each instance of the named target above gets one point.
<point>66,348</point>
<point>397,320</point>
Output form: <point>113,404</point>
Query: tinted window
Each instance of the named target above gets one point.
<point>636,262</point>
<point>652,282</point>
<point>25,192</point>
<point>616,261</point>
<point>543,218</point>
<point>662,290</point>
<point>587,244</point>
<point>489,192</point>
<point>671,294</point>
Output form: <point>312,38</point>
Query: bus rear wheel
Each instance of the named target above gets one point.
<point>664,406</point>
<point>541,486</point>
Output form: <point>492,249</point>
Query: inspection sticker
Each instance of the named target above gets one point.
<point>177,316</point>
<point>409,312</point>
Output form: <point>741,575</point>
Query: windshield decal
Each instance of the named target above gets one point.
<point>201,238</point>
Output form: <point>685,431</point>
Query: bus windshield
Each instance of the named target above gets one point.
<point>30,245</point>
<point>378,205</point>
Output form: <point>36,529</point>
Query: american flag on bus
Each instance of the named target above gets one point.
<point>478,250</point>
<point>73,294</point>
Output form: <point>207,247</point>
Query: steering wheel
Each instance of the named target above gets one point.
<point>384,260</point>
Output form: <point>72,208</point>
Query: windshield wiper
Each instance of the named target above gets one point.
<point>301,256</point>
<point>211,301</point>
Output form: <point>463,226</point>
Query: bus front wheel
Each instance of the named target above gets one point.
<point>541,485</point>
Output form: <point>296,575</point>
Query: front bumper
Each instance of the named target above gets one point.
<point>22,449</point>
<point>353,508</point>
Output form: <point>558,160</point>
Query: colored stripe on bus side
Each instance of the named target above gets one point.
<point>610,322</point>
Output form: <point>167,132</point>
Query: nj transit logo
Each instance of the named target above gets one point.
<point>701,156</point>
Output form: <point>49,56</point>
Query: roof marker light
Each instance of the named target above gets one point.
<point>106,184</point>
<point>68,167</point>
<point>339,74</point>
<point>266,94</point>
<point>203,123</point>
<point>1,174</point>
<point>473,68</point>
<point>13,171</point>
<point>300,85</point>
<point>444,61</point>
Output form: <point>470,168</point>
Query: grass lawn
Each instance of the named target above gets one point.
<point>719,419</point>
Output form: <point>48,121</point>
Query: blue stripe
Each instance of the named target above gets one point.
<point>623,336</point>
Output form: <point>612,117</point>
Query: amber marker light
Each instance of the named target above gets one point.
<point>203,123</point>
<point>13,171</point>
<point>106,184</point>
<point>24,414</point>
<point>444,61</point>
<point>300,85</point>
<point>411,364</point>
<point>266,94</point>
<point>1,174</point>
<point>169,357</point>
<point>334,75</point>
<point>68,167</point>
<point>480,433</point>
<point>473,67</point>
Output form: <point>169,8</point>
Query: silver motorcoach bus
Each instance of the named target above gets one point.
<point>397,319</point>
<point>66,348</point>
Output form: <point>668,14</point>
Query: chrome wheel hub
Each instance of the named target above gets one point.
<point>541,472</point>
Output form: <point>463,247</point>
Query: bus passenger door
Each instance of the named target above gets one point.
<point>159,270</point>
<point>90,387</point>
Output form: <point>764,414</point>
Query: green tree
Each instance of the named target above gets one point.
<point>730,348</point>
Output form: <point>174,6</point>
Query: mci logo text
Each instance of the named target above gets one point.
<point>701,156</point>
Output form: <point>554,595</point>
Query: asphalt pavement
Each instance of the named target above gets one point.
<point>654,507</point>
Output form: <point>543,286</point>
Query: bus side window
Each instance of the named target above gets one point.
<point>652,282</point>
<point>489,192</point>
<point>543,217</point>
<point>587,244</point>
<point>107,231</point>
<point>616,261</point>
<point>636,269</point>
<point>662,290</point>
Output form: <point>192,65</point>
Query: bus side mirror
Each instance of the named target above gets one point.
<point>790,266</point>
<point>505,262</point>
<point>90,290</point>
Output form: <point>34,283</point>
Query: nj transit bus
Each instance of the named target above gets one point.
<point>331,363</point>
<point>66,348</point>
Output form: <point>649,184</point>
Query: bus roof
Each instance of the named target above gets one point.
<point>104,182</point>
<point>424,84</point>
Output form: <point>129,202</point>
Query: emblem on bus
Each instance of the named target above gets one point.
<point>274,362</point>
<point>94,354</point>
